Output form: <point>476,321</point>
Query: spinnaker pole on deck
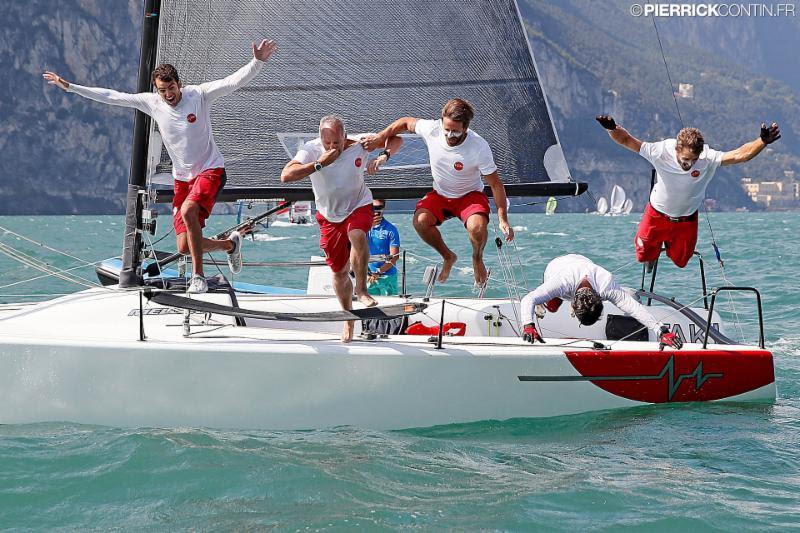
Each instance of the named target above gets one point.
<point>130,275</point>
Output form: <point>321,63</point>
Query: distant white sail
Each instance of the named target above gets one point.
<point>602,206</point>
<point>627,207</point>
<point>617,200</point>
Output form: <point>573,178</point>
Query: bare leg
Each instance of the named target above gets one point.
<point>359,257</point>
<point>478,231</point>
<point>344,293</point>
<point>193,240</point>
<point>425,224</point>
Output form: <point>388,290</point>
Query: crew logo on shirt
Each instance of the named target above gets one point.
<point>358,162</point>
<point>191,118</point>
<point>695,173</point>
<point>458,165</point>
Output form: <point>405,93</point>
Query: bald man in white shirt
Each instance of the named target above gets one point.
<point>684,167</point>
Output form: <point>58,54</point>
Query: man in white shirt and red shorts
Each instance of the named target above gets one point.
<point>460,160</point>
<point>684,167</point>
<point>336,166</point>
<point>183,115</point>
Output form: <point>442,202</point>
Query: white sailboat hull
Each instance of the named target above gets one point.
<point>88,366</point>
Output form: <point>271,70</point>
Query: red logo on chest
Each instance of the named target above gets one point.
<point>358,162</point>
<point>458,165</point>
<point>695,173</point>
<point>191,118</point>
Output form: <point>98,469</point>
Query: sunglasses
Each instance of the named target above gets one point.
<point>377,208</point>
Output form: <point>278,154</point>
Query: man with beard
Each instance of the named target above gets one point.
<point>460,160</point>
<point>336,166</point>
<point>183,115</point>
<point>684,167</point>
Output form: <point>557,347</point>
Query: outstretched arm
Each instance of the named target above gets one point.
<point>392,145</point>
<point>631,307</point>
<point>401,125</point>
<point>138,101</point>
<point>501,203</point>
<point>619,134</point>
<point>219,88</point>
<point>748,151</point>
<point>541,294</point>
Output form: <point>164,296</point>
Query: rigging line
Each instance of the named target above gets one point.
<point>668,315</point>
<point>41,266</point>
<point>46,247</point>
<point>666,67</point>
<point>717,253</point>
<point>35,278</point>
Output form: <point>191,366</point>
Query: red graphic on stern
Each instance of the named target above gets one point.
<point>675,376</point>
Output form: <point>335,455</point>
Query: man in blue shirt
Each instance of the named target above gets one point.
<point>384,239</point>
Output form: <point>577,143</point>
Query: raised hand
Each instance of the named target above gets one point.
<point>771,134</point>
<point>54,79</point>
<point>372,142</point>
<point>263,51</point>
<point>329,157</point>
<point>607,121</point>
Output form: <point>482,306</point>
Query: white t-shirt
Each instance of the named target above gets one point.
<point>456,170</point>
<point>562,277</point>
<point>186,128</point>
<point>339,188</point>
<point>678,192</point>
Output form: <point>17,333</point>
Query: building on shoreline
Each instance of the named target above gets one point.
<point>773,194</point>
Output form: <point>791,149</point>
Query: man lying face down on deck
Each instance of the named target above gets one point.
<point>576,278</point>
<point>336,166</point>
<point>684,167</point>
<point>183,115</point>
<point>460,161</point>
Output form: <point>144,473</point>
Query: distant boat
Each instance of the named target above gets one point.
<point>618,198</point>
<point>602,206</point>
<point>627,207</point>
<point>552,203</point>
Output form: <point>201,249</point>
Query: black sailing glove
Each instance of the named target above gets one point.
<point>607,121</point>
<point>771,134</point>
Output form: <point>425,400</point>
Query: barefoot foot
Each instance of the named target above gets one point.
<point>447,266</point>
<point>367,300</point>
<point>347,331</point>
<point>480,271</point>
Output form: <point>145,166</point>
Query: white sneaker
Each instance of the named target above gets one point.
<point>235,255</point>
<point>197,285</point>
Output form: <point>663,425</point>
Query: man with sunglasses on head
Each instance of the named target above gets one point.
<point>684,167</point>
<point>576,278</point>
<point>460,160</point>
<point>384,239</point>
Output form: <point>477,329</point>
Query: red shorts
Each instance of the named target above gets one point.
<point>657,229</point>
<point>202,189</point>
<point>333,237</point>
<point>464,207</point>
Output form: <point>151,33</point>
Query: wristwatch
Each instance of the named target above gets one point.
<point>386,153</point>
<point>317,166</point>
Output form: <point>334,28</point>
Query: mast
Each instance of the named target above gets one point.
<point>130,275</point>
